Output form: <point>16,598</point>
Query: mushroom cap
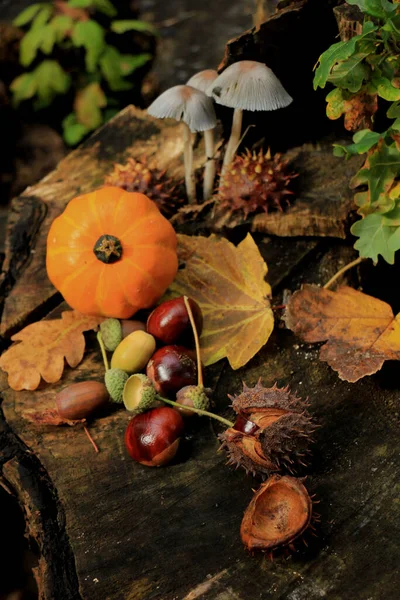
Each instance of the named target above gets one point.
<point>185,103</point>
<point>203,80</point>
<point>249,85</point>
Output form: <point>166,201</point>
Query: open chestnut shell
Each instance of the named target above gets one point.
<point>279,512</point>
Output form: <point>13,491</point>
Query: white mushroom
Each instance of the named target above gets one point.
<point>202,81</point>
<point>246,85</point>
<point>196,110</point>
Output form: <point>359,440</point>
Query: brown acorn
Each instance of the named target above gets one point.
<point>278,514</point>
<point>254,183</point>
<point>272,431</point>
<point>136,176</point>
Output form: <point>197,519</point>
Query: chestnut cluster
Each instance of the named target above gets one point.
<point>152,364</point>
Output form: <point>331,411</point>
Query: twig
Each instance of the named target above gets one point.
<point>91,440</point>
<point>343,270</point>
<point>196,341</point>
<point>103,350</point>
<point>204,413</point>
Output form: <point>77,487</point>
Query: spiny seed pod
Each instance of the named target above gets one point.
<point>115,380</point>
<point>135,176</point>
<point>254,183</point>
<point>279,513</point>
<point>139,393</point>
<point>272,431</point>
<point>111,332</point>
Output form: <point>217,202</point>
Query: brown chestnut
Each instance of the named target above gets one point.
<point>152,438</point>
<point>80,400</point>
<point>172,368</point>
<point>169,323</point>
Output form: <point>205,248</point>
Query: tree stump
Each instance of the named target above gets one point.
<point>106,528</point>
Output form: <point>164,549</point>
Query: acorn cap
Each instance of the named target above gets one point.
<point>185,103</point>
<point>111,332</point>
<point>196,394</point>
<point>139,393</point>
<point>115,380</point>
<point>202,80</point>
<point>249,85</point>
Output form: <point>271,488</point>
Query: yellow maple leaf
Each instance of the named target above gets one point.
<point>360,331</point>
<point>43,347</point>
<point>229,284</point>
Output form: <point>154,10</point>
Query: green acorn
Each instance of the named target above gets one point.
<point>115,380</point>
<point>193,395</point>
<point>139,393</point>
<point>111,332</point>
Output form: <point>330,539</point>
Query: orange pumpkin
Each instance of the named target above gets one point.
<point>111,253</point>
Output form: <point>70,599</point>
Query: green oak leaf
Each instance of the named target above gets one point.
<point>62,24</point>
<point>132,25</point>
<point>339,52</point>
<point>90,35</point>
<point>335,104</point>
<point>28,14</point>
<point>350,74</point>
<point>73,132</point>
<point>375,8</point>
<point>51,79</point>
<point>374,238</point>
<point>363,140</point>
<point>385,89</point>
<point>88,104</point>
<point>23,87</point>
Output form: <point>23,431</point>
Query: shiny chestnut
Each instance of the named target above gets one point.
<point>169,323</point>
<point>171,368</point>
<point>152,438</point>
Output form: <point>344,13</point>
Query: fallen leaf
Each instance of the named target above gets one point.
<point>43,347</point>
<point>228,283</point>
<point>360,331</point>
<point>50,416</point>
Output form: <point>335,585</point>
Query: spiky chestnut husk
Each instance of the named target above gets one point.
<point>111,332</point>
<point>272,432</point>
<point>139,393</point>
<point>115,380</point>
<point>279,513</point>
<point>254,183</point>
<point>136,176</point>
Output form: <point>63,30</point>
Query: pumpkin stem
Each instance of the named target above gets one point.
<point>108,249</point>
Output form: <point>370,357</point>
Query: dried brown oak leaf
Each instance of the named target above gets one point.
<point>43,347</point>
<point>228,283</point>
<point>360,331</point>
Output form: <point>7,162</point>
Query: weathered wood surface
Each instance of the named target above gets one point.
<point>109,529</point>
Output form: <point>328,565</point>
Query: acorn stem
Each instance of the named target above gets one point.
<point>343,270</point>
<point>91,440</point>
<point>103,350</point>
<point>196,341</point>
<point>203,413</point>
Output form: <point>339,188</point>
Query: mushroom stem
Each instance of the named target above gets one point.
<point>210,168</point>
<point>234,140</point>
<point>188,163</point>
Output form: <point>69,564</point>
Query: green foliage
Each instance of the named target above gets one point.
<point>104,70</point>
<point>363,69</point>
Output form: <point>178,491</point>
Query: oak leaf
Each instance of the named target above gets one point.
<point>43,347</point>
<point>360,331</point>
<point>228,283</point>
